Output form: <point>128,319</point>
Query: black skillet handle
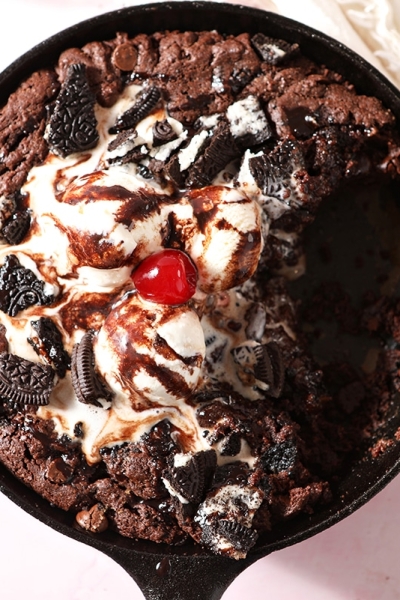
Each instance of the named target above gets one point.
<point>172,577</point>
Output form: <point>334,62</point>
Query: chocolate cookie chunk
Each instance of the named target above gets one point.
<point>24,381</point>
<point>20,288</point>
<point>73,124</point>
<point>87,383</point>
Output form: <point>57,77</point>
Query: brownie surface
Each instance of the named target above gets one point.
<point>310,421</point>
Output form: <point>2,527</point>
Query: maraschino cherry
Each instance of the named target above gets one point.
<point>166,277</point>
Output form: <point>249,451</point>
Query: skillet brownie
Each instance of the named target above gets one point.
<point>155,374</point>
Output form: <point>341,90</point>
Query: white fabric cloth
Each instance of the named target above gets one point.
<point>369,27</point>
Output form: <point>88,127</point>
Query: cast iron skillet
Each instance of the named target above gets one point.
<point>162,572</point>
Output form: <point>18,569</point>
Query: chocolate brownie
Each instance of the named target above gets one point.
<point>157,376</point>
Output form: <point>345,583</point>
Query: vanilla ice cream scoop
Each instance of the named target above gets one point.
<point>150,351</point>
<point>220,229</point>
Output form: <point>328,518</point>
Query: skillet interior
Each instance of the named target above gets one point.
<point>178,567</point>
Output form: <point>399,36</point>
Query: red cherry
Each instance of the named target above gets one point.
<point>167,277</point>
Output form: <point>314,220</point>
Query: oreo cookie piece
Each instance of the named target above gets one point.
<point>147,100</point>
<point>269,368</point>
<point>280,457</point>
<point>221,150</point>
<point>173,171</point>
<point>193,477</point>
<point>264,362</point>
<point>231,445</point>
<point>248,122</point>
<point>273,51</point>
<point>20,288</point>
<point>87,383</point>
<point>3,339</point>
<point>24,381</point>
<point>163,133</point>
<point>49,345</point>
<point>73,124</point>
<point>135,155</point>
<point>16,227</point>
<point>124,137</point>
<point>242,538</point>
<point>275,173</point>
<point>8,206</point>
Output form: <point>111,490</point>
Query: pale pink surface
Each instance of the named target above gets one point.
<point>355,560</point>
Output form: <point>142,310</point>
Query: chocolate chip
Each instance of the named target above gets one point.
<point>49,345</point>
<point>163,133</point>
<point>73,123</point>
<point>143,106</point>
<point>24,381</point>
<point>193,479</point>
<point>301,122</point>
<point>19,287</point>
<point>273,51</point>
<point>87,383</point>
<point>125,57</point>
<point>16,227</point>
<point>242,538</point>
<point>93,520</point>
<point>221,151</point>
<point>58,471</point>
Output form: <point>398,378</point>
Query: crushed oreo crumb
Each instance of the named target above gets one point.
<point>16,227</point>
<point>20,288</point>
<point>87,383</point>
<point>279,457</point>
<point>125,57</point>
<point>24,381</point>
<point>8,206</point>
<point>73,124</point>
